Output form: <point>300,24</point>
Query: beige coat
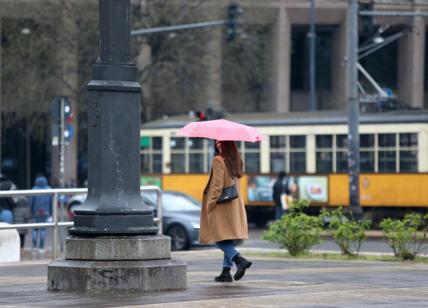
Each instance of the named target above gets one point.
<point>225,221</point>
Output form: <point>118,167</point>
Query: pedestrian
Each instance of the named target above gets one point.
<point>41,210</point>
<point>225,222</point>
<point>6,203</point>
<point>21,215</point>
<point>280,192</point>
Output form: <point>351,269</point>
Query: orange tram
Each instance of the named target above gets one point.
<point>312,149</point>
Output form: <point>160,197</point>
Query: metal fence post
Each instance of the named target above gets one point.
<point>55,228</point>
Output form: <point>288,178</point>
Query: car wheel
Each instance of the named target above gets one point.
<point>179,238</point>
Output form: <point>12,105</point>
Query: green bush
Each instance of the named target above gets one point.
<point>295,231</point>
<point>406,236</point>
<point>348,233</point>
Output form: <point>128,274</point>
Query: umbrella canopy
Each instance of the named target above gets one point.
<point>221,130</point>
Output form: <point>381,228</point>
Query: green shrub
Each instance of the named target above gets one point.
<point>347,233</point>
<point>295,231</point>
<point>406,236</point>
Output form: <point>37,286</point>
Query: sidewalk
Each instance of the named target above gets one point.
<point>271,282</point>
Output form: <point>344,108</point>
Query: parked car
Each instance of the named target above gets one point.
<point>180,216</point>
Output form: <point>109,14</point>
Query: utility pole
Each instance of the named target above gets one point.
<point>312,59</point>
<point>353,109</point>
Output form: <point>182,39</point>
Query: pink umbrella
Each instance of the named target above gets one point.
<point>221,130</point>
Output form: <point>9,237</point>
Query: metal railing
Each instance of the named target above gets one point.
<point>55,224</point>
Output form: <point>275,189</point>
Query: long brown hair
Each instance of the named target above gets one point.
<point>232,158</point>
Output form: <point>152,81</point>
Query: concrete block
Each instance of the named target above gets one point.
<point>104,248</point>
<point>116,276</point>
<point>9,245</point>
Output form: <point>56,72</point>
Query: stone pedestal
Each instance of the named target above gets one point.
<point>117,264</point>
<point>9,245</point>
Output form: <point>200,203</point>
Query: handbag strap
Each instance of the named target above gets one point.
<point>211,173</point>
<point>231,176</point>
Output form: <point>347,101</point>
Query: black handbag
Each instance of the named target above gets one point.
<point>228,194</point>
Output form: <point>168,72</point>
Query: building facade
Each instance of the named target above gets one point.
<point>399,68</point>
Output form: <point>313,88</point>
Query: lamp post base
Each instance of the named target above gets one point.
<point>88,223</point>
<point>117,264</point>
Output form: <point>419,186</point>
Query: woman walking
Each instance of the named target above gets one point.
<point>225,223</point>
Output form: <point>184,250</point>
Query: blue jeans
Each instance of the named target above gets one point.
<point>35,233</point>
<point>278,212</point>
<point>228,248</point>
<point>6,216</point>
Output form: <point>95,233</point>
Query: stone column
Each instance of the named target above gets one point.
<point>281,63</point>
<point>338,97</point>
<point>411,64</point>
<point>144,60</point>
<point>214,78</point>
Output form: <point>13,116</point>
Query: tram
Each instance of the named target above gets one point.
<point>312,148</point>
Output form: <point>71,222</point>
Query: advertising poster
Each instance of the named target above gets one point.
<point>151,180</point>
<point>312,188</point>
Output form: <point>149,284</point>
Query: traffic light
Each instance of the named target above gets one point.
<point>233,16</point>
<point>62,119</point>
<point>201,116</point>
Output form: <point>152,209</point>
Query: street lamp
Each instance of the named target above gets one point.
<point>114,205</point>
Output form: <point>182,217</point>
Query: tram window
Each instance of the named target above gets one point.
<point>408,161</point>
<point>157,143</point>
<point>367,161</point>
<point>298,162</point>
<point>277,162</point>
<point>151,154</point>
<point>252,162</point>
<point>408,140</point>
<point>277,142</point>
<point>196,163</point>
<point>178,163</point>
<point>177,143</point>
<point>145,163</point>
<point>387,161</point>
<point>252,156</point>
<point>342,162</point>
<point>367,140</point>
<point>324,141</point>
<point>341,141</point>
<point>196,143</point>
<point>252,145</point>
<point>297,142</point>
<point>387,140</point>
<point>324,162</point>
<point>157,163</point>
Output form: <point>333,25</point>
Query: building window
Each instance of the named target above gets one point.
<point>288,153</point>
<point>151,154</point>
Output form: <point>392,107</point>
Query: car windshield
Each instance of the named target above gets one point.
<point>175,201</point>
<point>179,202</point>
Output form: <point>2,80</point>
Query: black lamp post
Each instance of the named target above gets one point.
<point>114,205</point>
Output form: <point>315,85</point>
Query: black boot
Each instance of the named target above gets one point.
<point>225,275</point>
<point>242,264</point>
